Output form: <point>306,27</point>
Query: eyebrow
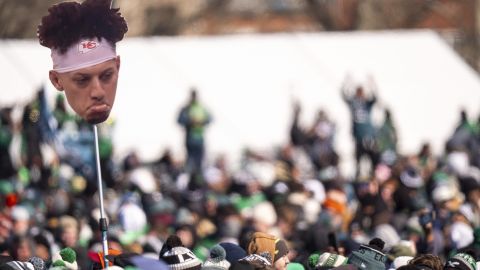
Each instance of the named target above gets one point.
<point>88,74</point>
<point>107,70</point>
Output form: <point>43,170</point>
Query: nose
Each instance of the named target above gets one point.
<point>96,91</point>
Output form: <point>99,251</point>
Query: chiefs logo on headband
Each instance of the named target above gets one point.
<point>86,46</point>
<point>84,53</point>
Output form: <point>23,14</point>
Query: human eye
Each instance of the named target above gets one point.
<point>106,76</point>
<point>81,80</point>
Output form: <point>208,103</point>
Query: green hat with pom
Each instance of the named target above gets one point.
<point>65,259</point>
<point>313,260</point>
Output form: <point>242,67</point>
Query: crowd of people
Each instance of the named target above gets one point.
<point>418,208</point>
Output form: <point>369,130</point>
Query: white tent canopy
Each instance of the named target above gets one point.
<point>249,82</point>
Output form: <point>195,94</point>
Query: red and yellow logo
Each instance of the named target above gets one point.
<point>87,45</point>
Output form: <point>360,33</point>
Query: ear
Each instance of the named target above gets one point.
<point>55,80</point>
<point>117,62</point>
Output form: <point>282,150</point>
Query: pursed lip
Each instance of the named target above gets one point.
<point>97,113</point>
<point>98,108</point>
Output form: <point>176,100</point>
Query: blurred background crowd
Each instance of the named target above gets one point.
<point>416,203</point>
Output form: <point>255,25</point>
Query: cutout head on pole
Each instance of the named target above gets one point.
<point>82,39</point>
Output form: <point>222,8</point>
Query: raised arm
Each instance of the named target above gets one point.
<point>372,86</point>
<point>345,87</point>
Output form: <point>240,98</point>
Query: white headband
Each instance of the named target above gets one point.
<point>82,54</point>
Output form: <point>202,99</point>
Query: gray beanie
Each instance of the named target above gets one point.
<point>216,260</point>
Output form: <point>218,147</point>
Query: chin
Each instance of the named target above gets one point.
<point>97,119</point>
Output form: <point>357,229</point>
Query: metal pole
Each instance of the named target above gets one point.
<point>103,220</point>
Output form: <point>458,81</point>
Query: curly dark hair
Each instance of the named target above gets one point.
<point>68,22</point>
